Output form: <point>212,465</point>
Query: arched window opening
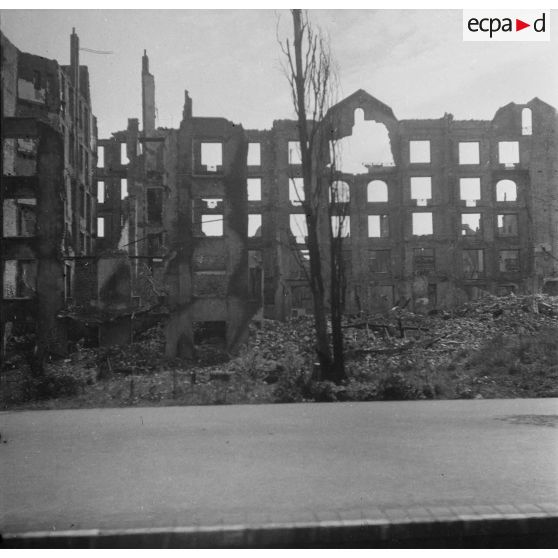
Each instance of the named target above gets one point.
<point>339,192</point>
<point>377,191</point>
<point>506,191</point>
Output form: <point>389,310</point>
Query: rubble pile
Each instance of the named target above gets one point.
<point>490,347</point>
<point>144,355</point>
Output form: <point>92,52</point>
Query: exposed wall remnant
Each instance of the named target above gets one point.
<point>47,191</point>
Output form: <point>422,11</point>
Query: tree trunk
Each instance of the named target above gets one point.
<point>316,277</point>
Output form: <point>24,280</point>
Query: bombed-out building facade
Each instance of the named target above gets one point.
<point>437,211</point>
<point>209,223</point>
<point>47,190</point>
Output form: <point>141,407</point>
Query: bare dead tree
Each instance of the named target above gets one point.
<point>310,71</point>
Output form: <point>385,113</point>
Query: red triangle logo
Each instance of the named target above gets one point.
<point>519,25</point>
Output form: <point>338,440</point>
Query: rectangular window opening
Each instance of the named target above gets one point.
<point>20,217</point>
<point>508,153</point>
<point>100,156</point>
<point>100,227</point>
<point>470,224</point>
<point>297,222</point>
<point>419,151</point>
<point>507,224</point>
<point>295,157</point>
<point>212,225</point>
<point>421,189</point>
<point>470,191</point>
<point>254,225</point>
<point>254,189</point>
<point>422,224</point>
<point>296,191</point>
<point>424,260</point>
<point>254,154</point>
<point>469,153</point>
<point>378,226</point>
<point>123,188</point>
<point>20,278</point>
<point>341,226</point>
<point>212,156</point>
<point>123,154</point>
<point>379,261</point>
<point>101,191</point>
<point>508,261</point>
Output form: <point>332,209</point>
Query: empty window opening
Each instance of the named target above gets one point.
<point>212,225</point>
<point>295,157</point>
<point>508,224</point>
<point>422,224</point>
<point>100,227</point>
<point>212,156</point>
<point>368,146</point>
<point>20,156</point>
<point>341,226</point>
<point>508,152</point>
<point>300,265</point>
<point>473,263</point>
<point>379,261</point>
<point>210,333</point>
<point>419,151</point>
<point>123,154</point>
<point>254,154</point>
<point>100,191</point>
<point>470,224</point>
<point>506,191</point>
<point>470,190</point>
<point>339,192</point>
<point>378,226</point>
<point>123,188</point>
<point>469,153</point>
<point>508,261</point>
<point>424,260</point>
<point>154,198</point>
<point>526,122</point>
<point>212,203</point>
<point>100,156</point>
<point>296,191</point>
<point>254,225</point>
<point>297,222</point>
<point>377,191</point>
<point>20,218</point>
<point>254,189</point>
<point>421,189</point>
<point>20,278</point>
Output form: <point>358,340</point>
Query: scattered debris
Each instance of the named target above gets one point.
<point>490,347</point>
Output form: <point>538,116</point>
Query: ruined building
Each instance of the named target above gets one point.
<point>438,211</point>
<point>175,200</point>
<point>47,191</point>
<point>204,226</point>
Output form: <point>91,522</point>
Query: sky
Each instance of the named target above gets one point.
<point>415,61</point>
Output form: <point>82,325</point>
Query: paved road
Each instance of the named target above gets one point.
<point>179,466</point>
